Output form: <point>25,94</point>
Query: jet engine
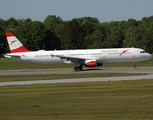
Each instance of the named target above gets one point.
<point>92,63</point>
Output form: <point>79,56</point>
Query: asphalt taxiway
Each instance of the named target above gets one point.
<point>147,70</point>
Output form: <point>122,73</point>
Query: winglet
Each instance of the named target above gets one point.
<point>14,44</point>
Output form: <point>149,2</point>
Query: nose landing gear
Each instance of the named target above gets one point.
<point>134,66</point>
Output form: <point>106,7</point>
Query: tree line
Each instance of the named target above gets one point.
<point>78,33</point>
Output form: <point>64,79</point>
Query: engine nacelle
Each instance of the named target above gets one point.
<point>99,64</point>
<point>92,63</point>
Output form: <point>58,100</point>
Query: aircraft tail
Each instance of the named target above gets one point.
<point>14,44</point>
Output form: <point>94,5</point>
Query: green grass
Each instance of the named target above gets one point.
<point>128,100</point>
<point>62,76</point>
<point>8,64</point>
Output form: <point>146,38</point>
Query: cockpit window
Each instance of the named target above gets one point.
<point>143,52</point>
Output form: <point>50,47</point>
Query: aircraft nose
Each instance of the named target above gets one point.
<point>150,56</point>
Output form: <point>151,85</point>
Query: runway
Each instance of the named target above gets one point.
<point>148,70</point>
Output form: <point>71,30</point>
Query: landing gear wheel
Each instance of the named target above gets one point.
<point>135,67</point>
<point>76,68</point>
<point>80,67</point>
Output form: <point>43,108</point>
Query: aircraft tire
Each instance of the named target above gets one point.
<point>76,68</point>
<point>80,67</point>
<point>135,67</point>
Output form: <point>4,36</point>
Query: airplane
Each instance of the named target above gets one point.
<point>86,57</point>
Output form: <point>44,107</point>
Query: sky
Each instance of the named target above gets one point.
<point>104,10</point>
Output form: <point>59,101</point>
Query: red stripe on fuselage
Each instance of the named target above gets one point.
<point>20,49</point>
<point>123,52</point>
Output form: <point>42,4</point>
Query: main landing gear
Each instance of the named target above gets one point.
<point>134,66</point>
<point>78,68</point>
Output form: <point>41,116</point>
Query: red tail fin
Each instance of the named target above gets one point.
<point>14,44</point>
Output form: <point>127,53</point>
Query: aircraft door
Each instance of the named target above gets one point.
<point>67,54</point>
<point>28,56</point>
<point>103,55</point>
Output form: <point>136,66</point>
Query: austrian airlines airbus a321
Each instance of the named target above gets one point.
<point>87,57</point>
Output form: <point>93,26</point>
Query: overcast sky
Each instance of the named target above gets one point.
<point>104,10</point>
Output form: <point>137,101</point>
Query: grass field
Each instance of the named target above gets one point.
<point>128,100</point>
<point>8,64</point>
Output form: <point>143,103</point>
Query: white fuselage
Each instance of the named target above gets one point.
<point>100,55</point>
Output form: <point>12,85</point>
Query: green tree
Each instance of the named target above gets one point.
<point>51,41</point>
<point>58,29</point>
<point>131,23</point>
<point>51,22</point>
<point>147,20</point>
<point>137,37</point>
<point>11,24</point>
<point>150,34</point>
<point>3,43</point>
<point>3,24</point>
<point>88,27</point>
<point>88,19</point>
<point>72,35</point>
<point>129,40</point>
<point>95,40</point>
<point>35,36</point>
<point>114,37</point>
<point>20,31</point>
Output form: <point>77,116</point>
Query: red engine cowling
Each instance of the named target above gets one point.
<point>92,63</point>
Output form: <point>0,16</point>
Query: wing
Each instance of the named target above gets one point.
<point>74,60</point>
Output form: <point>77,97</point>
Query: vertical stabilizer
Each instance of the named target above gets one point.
<point>14,44</point>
